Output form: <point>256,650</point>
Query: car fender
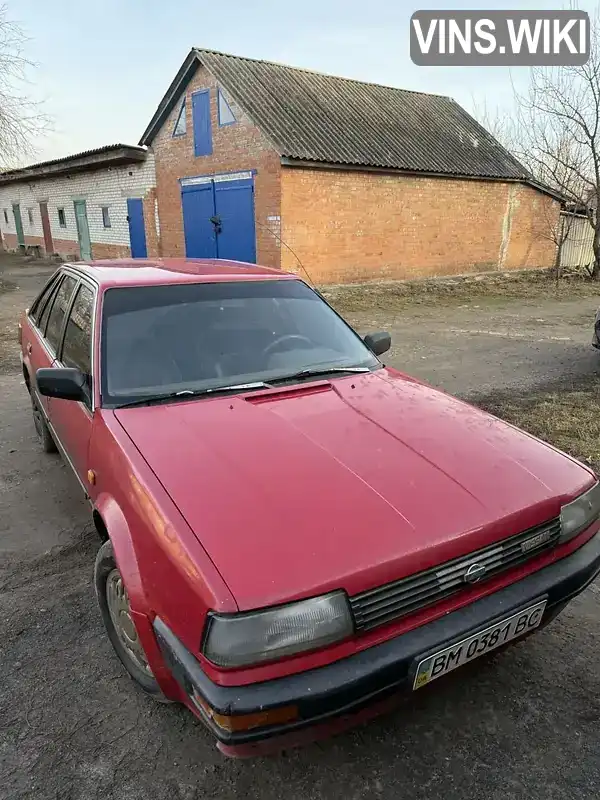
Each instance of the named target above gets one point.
<point>120,536</point>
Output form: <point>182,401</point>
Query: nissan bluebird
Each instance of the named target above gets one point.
<point>292,534</point>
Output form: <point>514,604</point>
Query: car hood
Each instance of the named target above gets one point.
<point>350,483</point>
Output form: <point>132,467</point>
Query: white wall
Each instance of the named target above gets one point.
<point>107,187</point>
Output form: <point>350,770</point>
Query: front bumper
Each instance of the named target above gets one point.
<point>354,688</point>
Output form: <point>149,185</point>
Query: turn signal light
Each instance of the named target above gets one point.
<point>246,722</point>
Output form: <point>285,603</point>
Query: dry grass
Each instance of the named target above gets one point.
<point>568,418</point>
<point>395,295</point>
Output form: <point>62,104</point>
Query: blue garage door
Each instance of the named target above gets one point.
<point>137,230</point>
<point>198,208</point>
<point>218,219</point>
<point>234,203</point>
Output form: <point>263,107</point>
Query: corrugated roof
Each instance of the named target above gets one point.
<point>110,153</point>
<point>310,116</point>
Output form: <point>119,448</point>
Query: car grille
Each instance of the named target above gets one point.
<point>394,600</point>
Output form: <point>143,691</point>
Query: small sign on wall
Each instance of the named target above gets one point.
<point>274,225</point>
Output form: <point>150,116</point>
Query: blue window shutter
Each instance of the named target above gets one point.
<point>202,126</point>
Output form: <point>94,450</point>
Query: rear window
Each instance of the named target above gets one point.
<point>38,305</point>
<point>59,310</point>
<point>158,339</point>
<point>46,306</point>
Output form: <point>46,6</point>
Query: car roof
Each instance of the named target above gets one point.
<point>146,271</point>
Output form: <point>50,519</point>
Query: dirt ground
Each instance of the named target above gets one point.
<point>525,723</point>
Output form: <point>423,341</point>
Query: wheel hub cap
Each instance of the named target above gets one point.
<point>37,418</point>
<point>120,614</point>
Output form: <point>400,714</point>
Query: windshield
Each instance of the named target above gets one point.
<point>165,339</point>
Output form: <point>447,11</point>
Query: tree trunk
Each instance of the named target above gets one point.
<point>557,260</point>
<point>596,247</point>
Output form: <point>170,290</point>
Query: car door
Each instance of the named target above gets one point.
<point>71,421</point>
<point>36,353</point>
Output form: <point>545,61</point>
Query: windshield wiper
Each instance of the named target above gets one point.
<point>184,394</point>
<point>317,373</point>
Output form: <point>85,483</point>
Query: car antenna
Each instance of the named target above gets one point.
<point>285,244</point>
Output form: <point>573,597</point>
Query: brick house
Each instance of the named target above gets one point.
<point>100,204</point>
<point>351,180</point>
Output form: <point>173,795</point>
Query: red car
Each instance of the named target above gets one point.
<point>293,534</point>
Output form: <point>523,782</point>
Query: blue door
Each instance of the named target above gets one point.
<point>218,219</point>
<point>137,230</point>
<point>201,121</point>
<point>198,203</point>
<point>234,204</point>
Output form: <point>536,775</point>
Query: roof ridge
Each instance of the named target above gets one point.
<point>318,72</point>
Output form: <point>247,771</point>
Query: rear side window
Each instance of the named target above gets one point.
<point>59,310</point>
<point>77,347</point>
<point>48,307</point>
<point>38,305</point>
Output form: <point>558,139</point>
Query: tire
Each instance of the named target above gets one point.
<point>114,607</point>
<point>41,428</point>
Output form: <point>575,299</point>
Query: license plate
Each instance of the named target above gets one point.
<point>460,653</point>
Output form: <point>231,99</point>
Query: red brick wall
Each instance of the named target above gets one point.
<point>69,250</point>
<point>530,226</point>
<point>353,226</point>
<point>152,236</point>
<point>240,146</point>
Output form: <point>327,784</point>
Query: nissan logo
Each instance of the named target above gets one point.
<point>474,573</point>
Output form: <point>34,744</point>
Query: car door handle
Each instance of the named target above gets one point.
<point>28,348</point>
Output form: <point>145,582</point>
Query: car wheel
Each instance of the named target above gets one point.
<point>116,614</point>
<point>41,428</point>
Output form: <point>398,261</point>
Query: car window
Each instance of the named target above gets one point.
<point>48,307</point>
<point>59,309</point>
<point>77,346</point>
<point>158,339</point>
<point>38,306</point>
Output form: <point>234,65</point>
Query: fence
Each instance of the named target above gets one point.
<point>577,247</point>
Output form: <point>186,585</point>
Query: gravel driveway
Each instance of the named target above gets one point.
<point>525,723</point>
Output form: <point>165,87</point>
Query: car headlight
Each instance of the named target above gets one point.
<point>580,513</point>
<point>235,640</point>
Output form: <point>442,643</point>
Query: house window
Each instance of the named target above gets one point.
<point>105,217</point>
<point>181,125</point>
<point>226,115</point>
<point>62,220</point>
<point>6,216</point>
<point>30,215</point>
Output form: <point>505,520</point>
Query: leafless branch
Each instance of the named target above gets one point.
<point>22,120</point>
<point>555,133</point>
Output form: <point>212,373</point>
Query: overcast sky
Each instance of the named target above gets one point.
<point>104,66</point>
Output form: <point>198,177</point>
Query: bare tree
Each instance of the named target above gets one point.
<point>21,118</point>
<point>559,142</point>
<point>515,130</point>
<point>554,131</point>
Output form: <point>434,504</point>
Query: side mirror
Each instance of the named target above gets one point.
<point>379,342</point>
<point>62,382</point>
